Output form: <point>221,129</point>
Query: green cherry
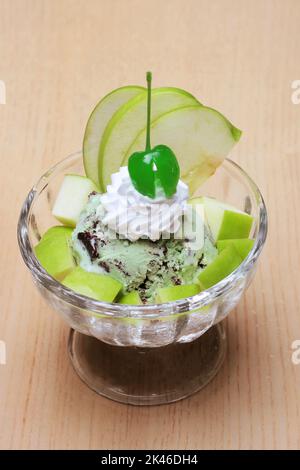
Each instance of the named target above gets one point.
<point>154,170</point>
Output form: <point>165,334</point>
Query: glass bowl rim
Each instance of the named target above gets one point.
<point>106,309</point>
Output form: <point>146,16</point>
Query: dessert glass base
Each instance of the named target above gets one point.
<point>148,376</point>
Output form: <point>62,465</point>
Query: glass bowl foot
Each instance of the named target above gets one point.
<point>148,376</point>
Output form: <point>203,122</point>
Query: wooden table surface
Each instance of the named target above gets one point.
<point>57,58</point>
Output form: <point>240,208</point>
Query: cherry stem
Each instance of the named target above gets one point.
<point>149,81</point>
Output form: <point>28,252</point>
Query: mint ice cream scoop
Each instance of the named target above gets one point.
<point>142,265</point>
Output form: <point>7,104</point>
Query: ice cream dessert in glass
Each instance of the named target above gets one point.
<point>152,247</point>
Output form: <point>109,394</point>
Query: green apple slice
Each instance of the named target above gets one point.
<point>55,255</point>
<point>97,286</point>
<point>71,199</point>
<point>226,262</point>
<point>199,136</point>
<point>132,298</point>
<point>56,232</point>
<point>225,221</point>
<point>97,122</point>
<point>169,294</point>
<point>242,245</point>
<point>129,121</point>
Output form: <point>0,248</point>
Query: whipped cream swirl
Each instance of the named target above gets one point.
<point>132,215</point>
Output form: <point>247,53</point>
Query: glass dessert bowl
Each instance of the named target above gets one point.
<point>145,354</point>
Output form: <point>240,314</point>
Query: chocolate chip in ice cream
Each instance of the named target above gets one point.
<point>90,243</point>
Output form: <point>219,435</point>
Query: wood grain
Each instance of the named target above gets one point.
<point>57,57</point>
